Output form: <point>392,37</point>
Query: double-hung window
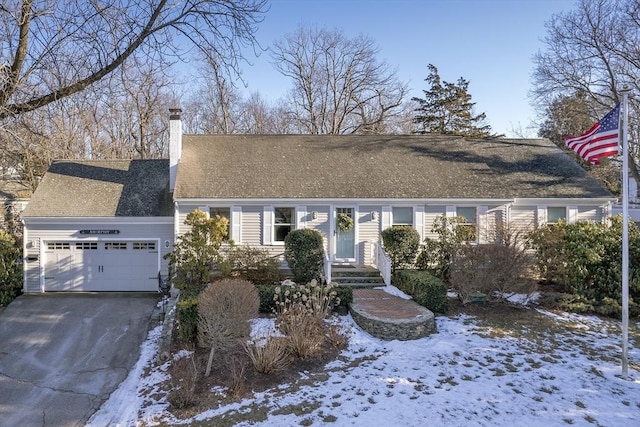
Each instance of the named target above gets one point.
<point>223,213</point>
<point>402,216</point>
<point>284,222</point>
<point>556,213</point>
<point>468,224</point>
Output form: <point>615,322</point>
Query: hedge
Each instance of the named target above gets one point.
<point>426,289</point>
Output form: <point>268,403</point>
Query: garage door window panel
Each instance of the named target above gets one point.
<point>115,246</point>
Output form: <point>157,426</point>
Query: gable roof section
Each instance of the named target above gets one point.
<point>381,166</point>
<point>103,188</point>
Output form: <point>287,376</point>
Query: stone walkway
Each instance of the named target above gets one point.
<point>390,317</point>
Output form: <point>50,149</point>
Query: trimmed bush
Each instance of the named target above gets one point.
<point>304,252</point>
<point>187,311</point>
<point>401,243</point>
<point>225,308</point>
<point>426,289</point>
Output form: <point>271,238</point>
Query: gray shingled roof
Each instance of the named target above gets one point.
<point>426,167</point>
<point>103,188</point>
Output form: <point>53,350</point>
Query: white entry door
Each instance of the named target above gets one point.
<point>345,235</point>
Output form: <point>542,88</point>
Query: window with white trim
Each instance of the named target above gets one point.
<point>284,222</point>
<point>555,214</point>
<point>468,224</point>
<point>402,216</point>
<point>223,213</point>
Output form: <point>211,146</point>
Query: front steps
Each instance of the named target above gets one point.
<point>356,276</point>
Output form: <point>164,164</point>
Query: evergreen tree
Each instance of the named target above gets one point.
<point>447,109</point>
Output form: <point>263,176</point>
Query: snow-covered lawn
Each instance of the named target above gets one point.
<point>464,375</point>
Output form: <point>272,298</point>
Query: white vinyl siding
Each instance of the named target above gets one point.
<point>368,231</point>
<point>431,212</point>
<point>320,223</point>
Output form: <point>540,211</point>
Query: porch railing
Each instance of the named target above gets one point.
<point>327,268</point>
<point>383,263</point>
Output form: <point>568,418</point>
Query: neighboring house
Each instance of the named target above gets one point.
<point>268,185</point>
<point>14,196</point>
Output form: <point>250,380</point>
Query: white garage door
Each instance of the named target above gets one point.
<point>101,266</point>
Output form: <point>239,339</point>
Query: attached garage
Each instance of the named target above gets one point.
<point>112,265</point>
<point>95,226</point>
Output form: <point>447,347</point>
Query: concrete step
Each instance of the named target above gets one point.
<point>356,276</point>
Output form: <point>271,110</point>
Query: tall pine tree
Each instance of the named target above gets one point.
<point>447,109</point>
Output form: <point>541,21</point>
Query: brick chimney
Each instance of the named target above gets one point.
<point>175,145</point>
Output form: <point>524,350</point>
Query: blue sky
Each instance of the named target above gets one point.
<point>488,42</point>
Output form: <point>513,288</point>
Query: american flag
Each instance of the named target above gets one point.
<point>599,141</point>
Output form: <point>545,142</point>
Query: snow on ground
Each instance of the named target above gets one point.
<point>464,375</point>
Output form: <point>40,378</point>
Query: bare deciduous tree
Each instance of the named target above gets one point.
<point>55,49</point>
<point>592,50</point>
<point>214,102</point>
<point>339,86</point>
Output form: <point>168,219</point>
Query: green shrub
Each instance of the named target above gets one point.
<point>585,259</point>
<point>344,294</point>
<point>401,243</point>
<point>436,255</point>
<point>426,289</point>
<point>10,269</point>
<point>197,250</point>
<point>187,316</point>
<point>266,294</point>
<point>304,252</point>
<point>253,264</point>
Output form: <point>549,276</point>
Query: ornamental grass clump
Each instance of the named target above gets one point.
<point>300,312</point>
<point>268,354</point>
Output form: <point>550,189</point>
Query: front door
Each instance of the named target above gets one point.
<point>345,235</point>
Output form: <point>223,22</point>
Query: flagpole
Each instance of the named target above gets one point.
<point>625,231</point>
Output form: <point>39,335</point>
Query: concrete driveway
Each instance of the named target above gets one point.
<point>62,355</point>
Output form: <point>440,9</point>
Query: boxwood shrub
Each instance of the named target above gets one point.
<point>426,289</point>
<point>187,311</point>
<point>304,252</point>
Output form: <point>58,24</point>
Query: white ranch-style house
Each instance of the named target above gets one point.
<point>105,225</point>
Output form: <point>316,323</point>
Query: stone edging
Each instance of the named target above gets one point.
<point>412,328</point>
<point>164,342</point>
